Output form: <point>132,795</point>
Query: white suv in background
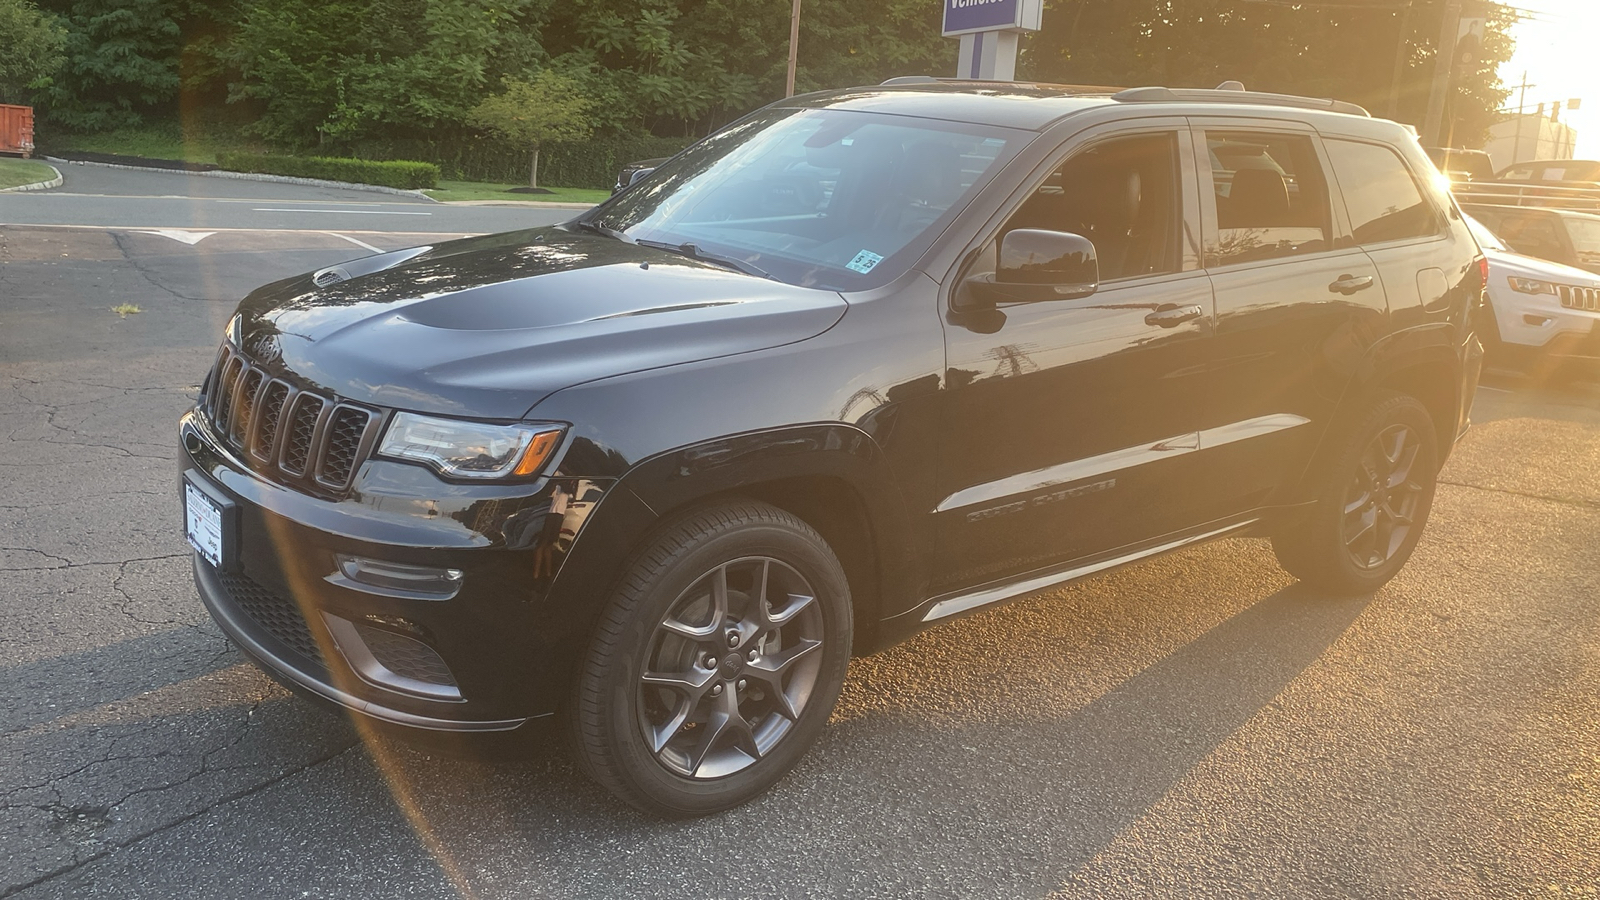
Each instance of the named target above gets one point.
<point>1546,315</point>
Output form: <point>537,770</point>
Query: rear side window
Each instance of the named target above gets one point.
<point>1272,199</point>
<point>1380,194</point>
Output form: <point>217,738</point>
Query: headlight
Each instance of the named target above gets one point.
<point>470,449</point>
<point>1530,286</point>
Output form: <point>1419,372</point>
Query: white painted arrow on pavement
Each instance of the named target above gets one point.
<point>188,237</point>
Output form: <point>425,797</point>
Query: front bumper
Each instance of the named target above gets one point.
<point>1531,326</point>
<point>488,657</point>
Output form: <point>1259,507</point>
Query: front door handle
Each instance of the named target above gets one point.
<point>1349,284</point>
<point>1171,316</point>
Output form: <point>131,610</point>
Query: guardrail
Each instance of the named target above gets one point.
<point>1548,196</point>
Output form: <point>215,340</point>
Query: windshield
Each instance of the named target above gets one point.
<point>1585,234</point>
<point>819,198</point>
<point>1486,238</point>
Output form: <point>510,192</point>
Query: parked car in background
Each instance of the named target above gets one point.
<point>1586,172</point>
<point>865,361</point>
<point>634,171</point>
<point>1543,317</point>
<point>1461,165</point>
<point>1558,235</point>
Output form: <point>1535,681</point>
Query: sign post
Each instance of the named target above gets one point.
<point>989,30</point>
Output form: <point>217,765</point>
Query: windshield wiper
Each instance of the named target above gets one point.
<point>603,231</point>
<point>695,251</point>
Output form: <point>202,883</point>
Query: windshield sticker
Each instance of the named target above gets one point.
<point>864,262</point>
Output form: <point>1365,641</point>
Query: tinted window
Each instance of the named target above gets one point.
<point>1535,235</point>
<point>1380,194</point>
<point>1122,196</point>
<point>1272,199</point>
<point>1585,236</point>
<point>834,199</point>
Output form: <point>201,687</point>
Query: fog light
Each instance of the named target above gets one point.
<point>1537,321</point>
<point>393,579</point>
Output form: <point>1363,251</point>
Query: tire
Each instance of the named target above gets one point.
<point>687,704</point>
<point>1373,505</point>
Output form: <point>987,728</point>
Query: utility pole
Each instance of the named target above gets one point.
<point>794,48</point>
<point>1399,61</point>
<point>1522,103</point>
<point>1443,66</point>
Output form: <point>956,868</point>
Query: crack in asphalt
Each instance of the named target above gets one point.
<point>115,846</point>
<point>1564,501</point>
<point>119,239</point>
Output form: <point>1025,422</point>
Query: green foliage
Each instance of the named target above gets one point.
<point>1322,51</point>
<point>121,63</point>
<point>33,50</point>
<point>551,107</point>
<point>391,173</point>
<point>334,71</point>
<point>473,156</point>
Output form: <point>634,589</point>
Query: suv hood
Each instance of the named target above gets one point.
<point>487,327</point>
<point>1508,264</point>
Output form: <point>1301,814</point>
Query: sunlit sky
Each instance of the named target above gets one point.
<point>1557,45</point>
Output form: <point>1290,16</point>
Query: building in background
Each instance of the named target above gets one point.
<point>1534,135</point>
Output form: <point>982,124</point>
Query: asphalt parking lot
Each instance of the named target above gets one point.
<point>1199,726</point>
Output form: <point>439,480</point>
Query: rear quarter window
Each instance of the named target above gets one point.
<point>1380,194</point>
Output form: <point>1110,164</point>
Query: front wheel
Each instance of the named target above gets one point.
<point>716,663</point>
<point>1373,505</point>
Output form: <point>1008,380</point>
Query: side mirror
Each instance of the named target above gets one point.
<point>1036,264</point>
<point>638,175</point>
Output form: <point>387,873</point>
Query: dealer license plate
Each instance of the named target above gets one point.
<point>202,524</point>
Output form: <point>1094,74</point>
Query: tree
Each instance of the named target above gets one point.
<point>551,107</point>
<point>33,45</point>
<point>121,63</point>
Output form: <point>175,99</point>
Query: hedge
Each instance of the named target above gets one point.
<point>389,173</point>
<point>473,157</point>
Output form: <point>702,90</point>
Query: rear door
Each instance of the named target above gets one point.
<point>1298,303</point>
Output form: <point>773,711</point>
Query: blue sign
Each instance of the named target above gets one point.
<point>962,16</point>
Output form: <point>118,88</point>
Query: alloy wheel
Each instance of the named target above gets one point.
<point>1381,502</point>
<point>731,668</point>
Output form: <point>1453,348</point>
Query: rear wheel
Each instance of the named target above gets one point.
<point>1374,504</point>
<point>717,662</point>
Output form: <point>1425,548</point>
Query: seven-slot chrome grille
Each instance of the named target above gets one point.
<point>301,435</point>
<point>1579,297</point>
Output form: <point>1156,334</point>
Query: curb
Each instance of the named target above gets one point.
<point>537,204</point>
<point>38,185</point>
<point>251,176</point>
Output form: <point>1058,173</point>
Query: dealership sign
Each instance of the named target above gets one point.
<point>968,16</point>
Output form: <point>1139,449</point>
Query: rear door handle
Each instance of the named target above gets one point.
<point>1171,316</point>
<point>1349,284</point>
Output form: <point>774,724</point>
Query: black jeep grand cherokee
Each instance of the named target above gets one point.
<point>860,362</point>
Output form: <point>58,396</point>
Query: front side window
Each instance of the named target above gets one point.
<point>1123,196</point>
<point>1272,198</point>
<point>834,199</point>
<point>1379,194</point>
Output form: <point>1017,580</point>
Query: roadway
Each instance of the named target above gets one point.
<point>1196,727</point>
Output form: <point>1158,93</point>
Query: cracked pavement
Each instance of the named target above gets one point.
<point>1199,726</point>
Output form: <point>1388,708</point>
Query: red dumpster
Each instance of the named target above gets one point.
<point>16,130</point>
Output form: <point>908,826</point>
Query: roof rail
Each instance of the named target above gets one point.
<point>1229,94</point>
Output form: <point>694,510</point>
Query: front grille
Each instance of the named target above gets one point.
<point>1579,298</point>
<point>301,434</point>
<point>405,656</point>
<point>278,616</point>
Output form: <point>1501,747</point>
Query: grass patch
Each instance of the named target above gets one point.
<point>481,190</point>
<point>124,310</point>
<point>160,141</point>
<point>18,172</point>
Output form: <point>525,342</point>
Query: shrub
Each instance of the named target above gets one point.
<point>469,156</point>
<point>392,173</point>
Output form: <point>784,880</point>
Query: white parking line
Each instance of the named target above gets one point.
<point>353,241</point>
<point>353,212</point>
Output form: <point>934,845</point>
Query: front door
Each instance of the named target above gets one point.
<point>1068,422</point>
